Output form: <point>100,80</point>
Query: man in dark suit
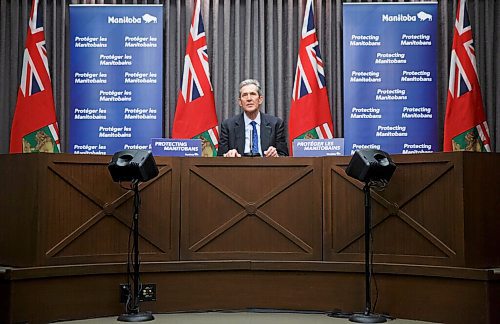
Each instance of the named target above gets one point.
<point>252,133</point>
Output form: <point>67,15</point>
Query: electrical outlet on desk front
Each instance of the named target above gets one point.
<point>148,293</point>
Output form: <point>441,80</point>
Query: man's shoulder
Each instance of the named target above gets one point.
<point>270,118</point>
<point>233,120</point>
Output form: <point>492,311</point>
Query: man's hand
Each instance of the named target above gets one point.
<point>232,153</point>
<point>271,152</point>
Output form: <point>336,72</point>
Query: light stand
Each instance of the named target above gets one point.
<point>371,167</point>
<point>133,314</point>
<point>367,316</point>
<point>134,166</point>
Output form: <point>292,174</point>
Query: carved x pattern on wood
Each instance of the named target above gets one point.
<point>106,209</point>
<point>395,209</point>
<point>251,208</point>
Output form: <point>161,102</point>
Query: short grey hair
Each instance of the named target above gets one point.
<point>248,82</point>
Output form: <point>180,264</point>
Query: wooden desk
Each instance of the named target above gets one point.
<point>439,209</point>
<point>237,233</point>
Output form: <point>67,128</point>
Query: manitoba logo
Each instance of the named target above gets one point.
<point>152,19</point>
<point>424,16</point>
<point>146,18</point>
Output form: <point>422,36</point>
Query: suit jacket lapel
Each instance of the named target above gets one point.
<point>265,132</point>
<point>239,131</point>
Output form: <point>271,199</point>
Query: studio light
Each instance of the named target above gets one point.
<point>371,165</point>
<point>130,165</point>
<point>135,166</point>
<point>375,169</point>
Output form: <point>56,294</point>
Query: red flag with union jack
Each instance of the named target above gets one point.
<point>195,115</point>
<point>34,127</point>
<point>465,126</point>
<point>310,115</point>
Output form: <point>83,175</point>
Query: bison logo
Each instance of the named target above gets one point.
<point>423,16</point>
<point>149,19</point>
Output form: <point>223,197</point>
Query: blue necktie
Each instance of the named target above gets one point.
<point>255,138</point>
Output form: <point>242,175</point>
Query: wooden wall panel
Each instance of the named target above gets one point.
<point>439,209</point>
<point>482,209</point>
<point>251,209</point>
<point>422,217</point>
<point>81,216</point>
<point>18,208</point>
<point>427,293</point>
<point>94,222</point>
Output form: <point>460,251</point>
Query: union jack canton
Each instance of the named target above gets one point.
<point>191,85</point>
<point>34,54</point>
<point>310,67</point>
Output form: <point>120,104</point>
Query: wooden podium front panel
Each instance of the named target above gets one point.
<point>482,209</point>
<point>422,217</point>
<point>18,207</point>
<point>251,208</point>
<point>417,219</point>
<point>82,216</point>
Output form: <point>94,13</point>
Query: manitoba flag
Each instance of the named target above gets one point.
<point>34,127</point>
<point>310,115</point>
<point>465,127</point>
<point>195,115</point>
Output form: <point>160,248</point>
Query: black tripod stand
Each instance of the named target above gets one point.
<point>132,306</point>
<point>367,316</point>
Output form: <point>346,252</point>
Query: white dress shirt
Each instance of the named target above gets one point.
<point>248,133</point>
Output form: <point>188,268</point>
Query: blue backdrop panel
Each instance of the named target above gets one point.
<point>390,81</point>
<point>116,55</point>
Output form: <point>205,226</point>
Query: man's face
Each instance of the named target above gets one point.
<point>250,100</point>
